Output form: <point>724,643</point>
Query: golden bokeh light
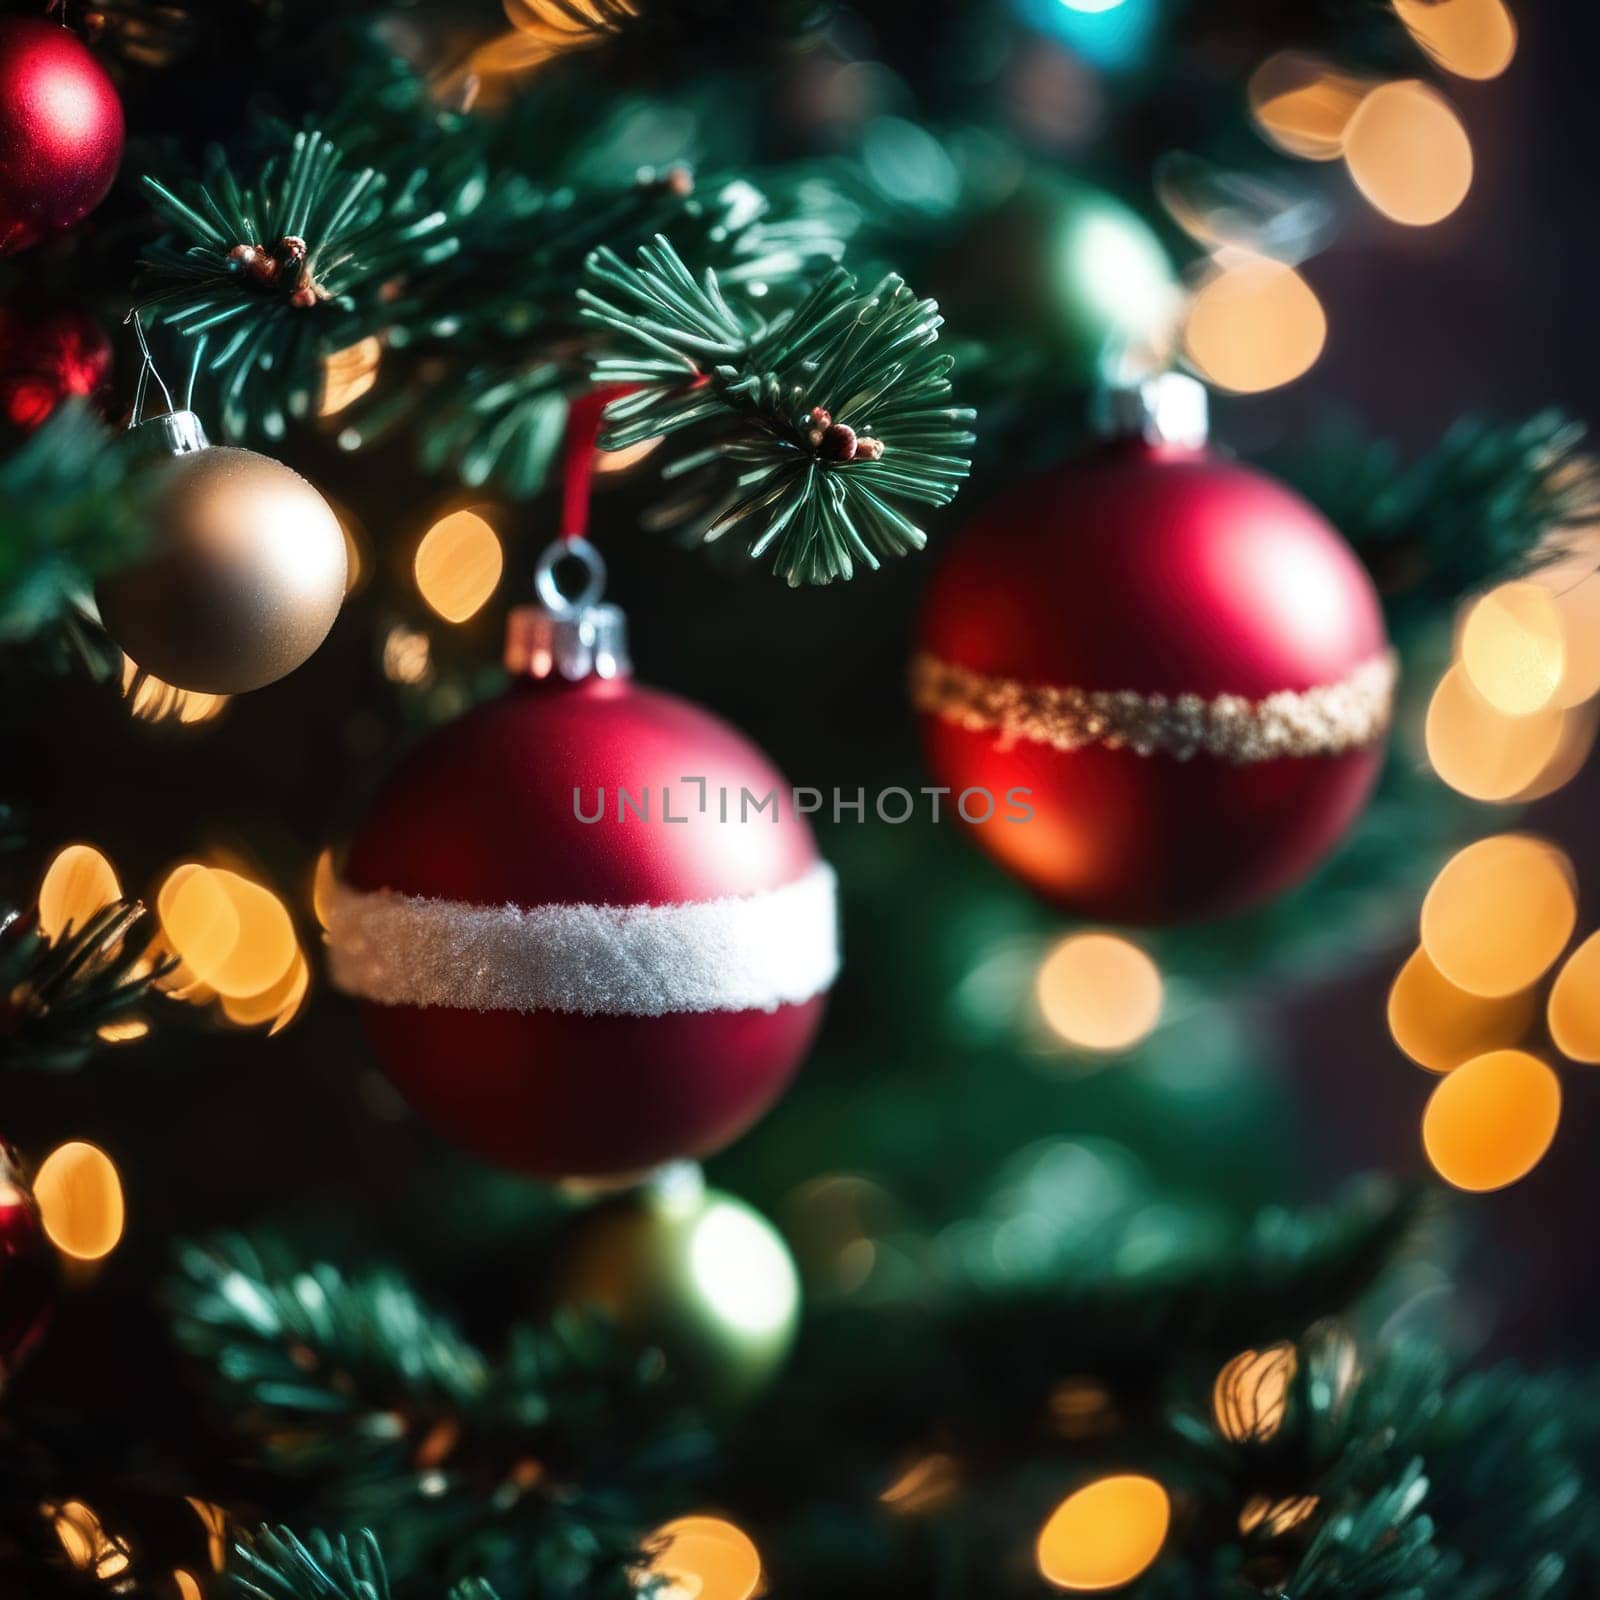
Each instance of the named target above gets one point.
<point>1471,38</point>
<point>85,1542</point>
<point>78,882</point>
<point>928,1484</point>
<point>1274,1518</point>
<point>1105,1535</point>
<point>1099,992</point>
<point>277,1005</point>
<point>1499,914</point>
<point>324,880</point>
<point>80,1200</point>
<point>188,1586</point>
<point>265,947</point>
<point>703,1558</point>
<point>199,919</point>
<point>1408,153</point>
<point>1302,105</point>
<point>1578,729</point>
<point>458,565</point>
<point>152,699</point>
<point>407,655</point>
<point>1482,752</point>
<point>1513,648</point>
<point>1439,1026</point>
<point>1253,324</point>
<point>1578,614</point>
<point>1490,1122</point>
<point>348,374</point>
<point>123,1032</point>
<point>1574,1013</point>
<point>1251,1394</point>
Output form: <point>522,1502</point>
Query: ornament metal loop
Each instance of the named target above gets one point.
<point>551,595</point>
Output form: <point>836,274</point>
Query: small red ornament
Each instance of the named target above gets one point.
<point>592,930</point>
<point>61,131</point>
<point>27,1268</point>
<point>49,352</point>
<point>1178,659</point>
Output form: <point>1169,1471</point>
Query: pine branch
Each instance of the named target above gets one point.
<point>1487,503</point>
<point>70,508</point>
<point>278,270</point>
<point>539,1473</point>
<point>277,1564</point>
<point>829,413</point>
<point>54,996</point>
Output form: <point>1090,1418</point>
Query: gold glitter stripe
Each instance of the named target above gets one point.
<point>1324,721</point>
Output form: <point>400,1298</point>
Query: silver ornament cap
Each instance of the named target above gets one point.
<point>571,637</point>
<point>175,433</point>
<point>1164,408</point>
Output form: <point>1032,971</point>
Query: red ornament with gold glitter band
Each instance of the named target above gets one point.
<point>61,131</point>
<point>27,1267</point>
<point>590,930</point>
<point>1177,657</point>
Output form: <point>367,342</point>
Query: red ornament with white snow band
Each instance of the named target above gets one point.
<point>583,950</point>
<point>1178,657</point>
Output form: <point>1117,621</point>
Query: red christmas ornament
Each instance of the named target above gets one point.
<point>585,950</point>
<point>1178,659</point>
<point>27,1268</point>
<point>60,131</point>
<point>49,352</point>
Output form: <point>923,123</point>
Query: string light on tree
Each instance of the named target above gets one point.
<point>1253,324</point>
<point>1574,1010</point>
<point>458,565</point>
<point>1250,1397</point>
<point>702,1558</point>
<point>80,1200</point>
<point>1480,750</point>
<point>1303,105</point>
<point>1513,648</point>
<point>1490,1122</point>
<point>1099,992</point>
<point>1408,153</point>
<point>1499,914</point>
<point>1105,1534</point>
<point>1440,1026</point>
<point>78,882</point>
<point>1471,38</point>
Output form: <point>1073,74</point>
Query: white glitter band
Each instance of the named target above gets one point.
<point>1324,721</point>
<point>737,954</point>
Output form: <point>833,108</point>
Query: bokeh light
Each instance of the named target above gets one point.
<point>1099,992</point>
<point>1251,1394</point>
<point>348,374</point>
<point>78,883</point>
<point>1499,914</point>
<point>199,919</point>
<point>1408,153</point>
<point>458,565</point>
<point>277,1005</point>
<point>703,1558</point>
<point>1489,1122</point>
<point>263,949</point>
<point>1253,324</point>
<point>1302,105</point>
<point>1274,1518</point>
<point>80,1200</point>
<point>152,699</point>
<point>741,1265</point>
<point>1578,612</point>
<point>1513,648</point>
<point>407,655</point>
<point>324,880</point>
<point>1471,38</point>
<point>124,1031</point>
<point>1105,1535</point>
<point>1439,1026</point>
<point>85,1542</point>
<point>1574,1012</point>
<point>928,1484</point>
<point>1482,752</point>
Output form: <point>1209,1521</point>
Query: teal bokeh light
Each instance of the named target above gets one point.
<point>1110,34</point>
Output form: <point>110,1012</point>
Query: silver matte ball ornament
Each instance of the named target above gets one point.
<point>246,574</point>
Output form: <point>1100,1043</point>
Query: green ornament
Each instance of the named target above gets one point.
<point>1064,270</point>
<point>693,1272</point>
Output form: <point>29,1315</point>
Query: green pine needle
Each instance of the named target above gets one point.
<point>696,356</point>
<point>332,236</point>
<point>55,995</point>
